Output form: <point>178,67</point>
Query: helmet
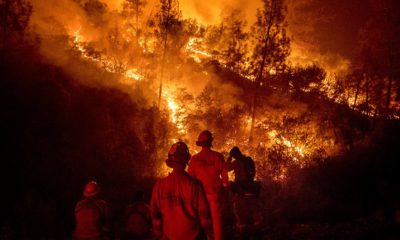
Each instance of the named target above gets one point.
<point>178,153</point>
<point>205,138</point>
<point>91,189</point>
<point>235,152</point>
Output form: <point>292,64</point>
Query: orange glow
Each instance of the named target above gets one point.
<point>133,74</point>
<point>174,107</point>
<point>297,148</point>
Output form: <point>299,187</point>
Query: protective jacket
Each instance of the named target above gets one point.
<point>91,218</point>
<point>179,208</point>
<point>246,191</point>
<point>209,167</point>
<point>244,170</point>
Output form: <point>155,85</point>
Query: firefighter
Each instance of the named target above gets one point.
<point>137,218</point>
<point>178,206</point>
<point>91,215</point>
<point>209,167</point>
<point>245,193</point>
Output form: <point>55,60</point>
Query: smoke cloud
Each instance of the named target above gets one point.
<point>321,32</point>
<point>325,32</point>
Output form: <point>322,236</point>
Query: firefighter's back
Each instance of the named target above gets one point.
<point>89,217</point>
<point>207,166</point>
<point>177,197</point>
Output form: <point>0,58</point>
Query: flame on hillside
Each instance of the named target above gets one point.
<point>193,48</point>
<point>297,152</point>
<point>175,117</point>
<point>108,64</point>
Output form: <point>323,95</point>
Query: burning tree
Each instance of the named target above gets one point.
<point>234,51</point>
<point>195,77</point>
<point>271,46</point>
<point>82,98</point>
<point>167,23</point>
<point>133,9</point>
<point>135,34</point>
<point>270,43</point>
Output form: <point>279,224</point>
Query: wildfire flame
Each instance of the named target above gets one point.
<point>105,62</point>
<point>178,111</point>
<point>173,106</point>
<point>133,74</point>
<point>192,48</point>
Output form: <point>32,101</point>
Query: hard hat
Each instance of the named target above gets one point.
<point>205,137</point>
<point>179,153</point>
<point>91,189</point>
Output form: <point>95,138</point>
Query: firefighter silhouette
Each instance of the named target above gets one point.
<point>209,167</point>
<point>179,208</point>
<point>91,215</point>
<point>245,193</point>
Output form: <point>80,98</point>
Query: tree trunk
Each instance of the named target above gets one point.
<point>164,53</point>
<point>259,78</point>
<point>253,117</point>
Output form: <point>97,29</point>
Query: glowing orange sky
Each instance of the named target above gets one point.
<point>322,31</point>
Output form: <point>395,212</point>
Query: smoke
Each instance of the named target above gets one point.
<point>325,32</point>
<point>190,92</point>
<point>322,32</point>
<point>317,30</point>
<point>53,19</point>
<point>205,14</point>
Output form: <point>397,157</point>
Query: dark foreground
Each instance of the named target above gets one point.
<point>38,217</point>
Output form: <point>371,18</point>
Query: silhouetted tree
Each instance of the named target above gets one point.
<point>133,9</point>
<point>234,44</point>
<point>168,24</point>
<point>213,37</point>
<point>271,45</point>
<point>307,77</point>
<point>379,56</point>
